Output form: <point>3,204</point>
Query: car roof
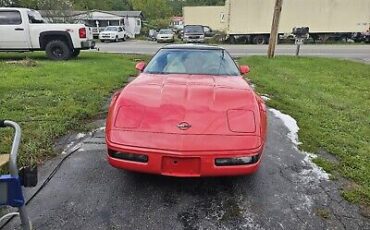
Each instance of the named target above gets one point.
<point>193,46</point>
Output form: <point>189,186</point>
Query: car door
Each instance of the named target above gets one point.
<point>12,30</point>
<point>121,33</point>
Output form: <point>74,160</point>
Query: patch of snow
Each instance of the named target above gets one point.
<point>290,123</point>
<point>265,98</point>
<point>76,147</point>
<point>305,203</point>
<point>314,172</point>
<point>76,144</point>
<point>251,223</point>
<point>71,147</point>
<point>67,148</point>
<point>80,135</point>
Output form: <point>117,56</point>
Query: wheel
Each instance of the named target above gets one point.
<point>260,40</point>
<point>117,39</point>
<point>102,41</point>
<point>58,50</point>
<point>232,40</point>
<point>75,53</point>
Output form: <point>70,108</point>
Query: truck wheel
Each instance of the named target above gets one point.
<point>117,39</point>
<point>260,40</point>
<point>232,40</point>
<point>75,53</point>
<point>58,50</point>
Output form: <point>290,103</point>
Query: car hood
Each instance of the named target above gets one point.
<point>164,35</point>
<point>187,104</point>
<point>108,32</point>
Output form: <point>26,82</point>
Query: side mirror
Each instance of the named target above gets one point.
<point>140,66</point>
<point>244,69</point>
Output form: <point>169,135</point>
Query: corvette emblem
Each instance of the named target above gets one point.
<point>184,126</point>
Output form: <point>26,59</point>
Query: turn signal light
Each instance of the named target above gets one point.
<point>236,161</point>
<point>129,156</point>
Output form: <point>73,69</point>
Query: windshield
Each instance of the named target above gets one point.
<point>194,29</point>
<point>192,61</point>
<point>110,28</point>
<point>35,17</point>
<point>167,31</point>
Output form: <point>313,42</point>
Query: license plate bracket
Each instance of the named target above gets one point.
<point>181,166</point>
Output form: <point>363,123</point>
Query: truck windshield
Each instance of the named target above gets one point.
<point>194,29</point>
<point>193,61</point>
<point>35,17</point>
<point>165,31</point>
<point>110,28</point>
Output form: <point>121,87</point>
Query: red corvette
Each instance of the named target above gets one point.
<point>189,113</point>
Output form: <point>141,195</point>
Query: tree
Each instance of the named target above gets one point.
<point>101,5</point>
<point>5,3</point>
<point>152,9</point>
<point>120,5</point>
<point>177,5</point>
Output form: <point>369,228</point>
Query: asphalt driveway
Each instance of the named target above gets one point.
<point>288,192</point>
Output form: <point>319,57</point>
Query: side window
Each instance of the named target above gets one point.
<point>34,18</point>
<point>138,22</point>
<point>10,18</point>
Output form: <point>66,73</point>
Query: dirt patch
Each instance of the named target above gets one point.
<point>24,62</point>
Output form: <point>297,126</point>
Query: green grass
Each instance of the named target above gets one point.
<point>330,99</point>
<point>61,96</point>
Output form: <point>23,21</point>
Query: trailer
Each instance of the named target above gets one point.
<point>252,19</point>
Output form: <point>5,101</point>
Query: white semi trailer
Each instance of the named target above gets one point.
<point>252,19</point>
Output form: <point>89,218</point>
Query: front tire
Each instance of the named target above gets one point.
<point>58,50</point>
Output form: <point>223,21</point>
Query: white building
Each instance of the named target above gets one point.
<point>98,19</point>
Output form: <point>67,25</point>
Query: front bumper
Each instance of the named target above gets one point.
<point>194,40</point>
<point>177,164</point>
<point>111,38</point>
<point>89,44</point>
<point>165,39</point>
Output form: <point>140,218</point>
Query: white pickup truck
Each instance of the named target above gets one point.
<point>25,30</point>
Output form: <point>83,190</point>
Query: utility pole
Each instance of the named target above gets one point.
<point>274,28</point>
